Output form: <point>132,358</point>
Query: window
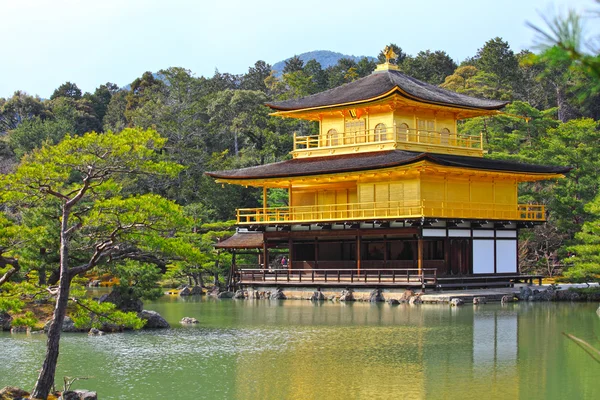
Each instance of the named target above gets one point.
<point>444,136</point>
<point>355,131</point>
<point>332,137</point>
<point>426,130</point>
<point>380,132</point>
<point>402,133</point>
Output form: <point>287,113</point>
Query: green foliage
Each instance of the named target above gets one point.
<point>11,305</point>
<point>33,133</point>
<point>91,314</point>
<point>67,89</point>
<point>137,279</point>
<point>26,320</point>
<point>586,259</point>
<point>432,67</point>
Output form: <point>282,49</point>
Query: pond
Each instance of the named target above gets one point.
<point>262,349</point>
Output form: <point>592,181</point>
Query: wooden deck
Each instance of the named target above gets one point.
<point>372,278</point>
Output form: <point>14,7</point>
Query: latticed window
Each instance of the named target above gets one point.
<point>332,137</point>
<point>355,131</point>
<point>444,136</point>
<point>380,132</point>
<point>402,132</point>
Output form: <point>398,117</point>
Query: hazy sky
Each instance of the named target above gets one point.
<point>90,42</point>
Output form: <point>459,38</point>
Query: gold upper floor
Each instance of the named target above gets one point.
<point>387,124</point>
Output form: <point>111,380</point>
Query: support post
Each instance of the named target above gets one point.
<point>265,256</point>
<point>420,254</point>
<point>264,204</point>
<point>358,255</point>
<point>290,254</point>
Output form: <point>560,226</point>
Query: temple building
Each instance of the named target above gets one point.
<point>387,194</point>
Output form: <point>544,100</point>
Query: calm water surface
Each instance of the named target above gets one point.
<point>300,350</point>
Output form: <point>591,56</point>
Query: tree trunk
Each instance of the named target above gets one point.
<point>13,270</point>
<point>45,380</point>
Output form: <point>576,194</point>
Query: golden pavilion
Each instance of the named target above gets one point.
<point>387,194</point>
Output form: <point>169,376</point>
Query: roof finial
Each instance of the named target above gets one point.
<point>389,54</point>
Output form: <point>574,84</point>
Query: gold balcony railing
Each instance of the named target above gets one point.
<point>391,210</point>
<point>393,135</point>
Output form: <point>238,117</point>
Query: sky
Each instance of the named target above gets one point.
<point>90,42</point>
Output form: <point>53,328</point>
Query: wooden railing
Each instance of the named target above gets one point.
<point>410,276</point>
<point>388,135</point>
<point>391,210</point>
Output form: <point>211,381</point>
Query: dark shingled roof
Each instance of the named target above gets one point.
<point>381,82</point>
<point>242,240</point>
<point>376,160</point>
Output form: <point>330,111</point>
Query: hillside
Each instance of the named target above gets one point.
<point>325,57</point>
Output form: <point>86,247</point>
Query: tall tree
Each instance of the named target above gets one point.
<point>86,176</point>
<point>255,77</point>
<point>67,89</point>
<point>293,64</point>
<point>20,107</point>
<point>496,57</point>
<point>432,67</point>
<point>100,99</point>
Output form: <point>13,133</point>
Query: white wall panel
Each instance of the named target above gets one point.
<point>434,232</point>
<point>483,256</point>
<point>506,256</point>
<point>483,233</point>
<point>459,232</point>
<point>506,234</point>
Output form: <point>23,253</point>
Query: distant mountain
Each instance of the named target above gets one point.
<point>325,57</point>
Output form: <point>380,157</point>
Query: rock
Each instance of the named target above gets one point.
<point>185,291</point>
<point>416,299</point>
<point>376,296</point>
<point>347,295</point>
<point>110,327</point>
<point>317,296</point>
<point>479,300</point>
<point>214,291</point>
<point>196,291</point>
<point>188,321</point>
<point>78,395</point>
<point>567,295</point>
<point>239,294</point>
<point>531,298</point>
<point>94,283</point>
<point>407,295</point>
<point>507,299</point>
<point>12,392</point>
<point>225,295</point>
<point>67,326</point>
<point>95,332</point>
<point>455,302</point>
<point>598,311</point>
<point>124,300</point>
<point>278,295</point>
<point>393,302</point>
<point>20,329</point>
<point>153,320</point>
<point>524,293</point>
<point>5,321</point>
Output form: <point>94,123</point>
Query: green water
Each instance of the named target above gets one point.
<point>299,350</point>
